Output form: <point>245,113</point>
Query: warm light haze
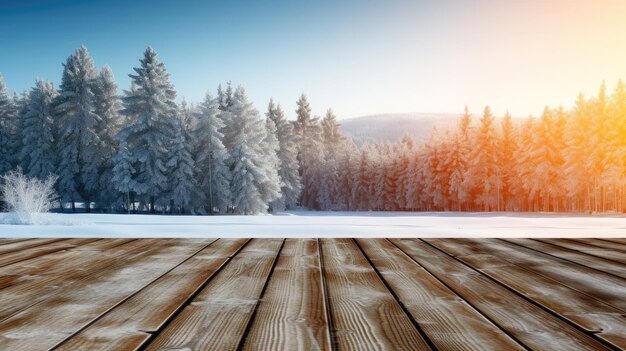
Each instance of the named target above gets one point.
<point>358,57</point>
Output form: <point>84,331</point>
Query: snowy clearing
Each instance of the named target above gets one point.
<point>321,224</point>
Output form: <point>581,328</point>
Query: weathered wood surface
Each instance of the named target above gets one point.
<point>597,317</point>
<point>603,243</point>
<point>70,309</point>
<point>365,314</point>
<point>608,254</point>
<point>594,282</point>
<point>523,320</point>
<point>217,317</point>
<point>129,325</point>
<point>292,314</point>
<point>13,256</point>
<point>449,322</point>
<point>312,294</point>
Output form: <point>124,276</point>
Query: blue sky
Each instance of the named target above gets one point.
<point>358,57</point>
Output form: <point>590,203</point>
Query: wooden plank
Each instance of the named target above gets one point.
<point>40,250</point>
<point>589,249</point>
<point>448,321</point>
<point>104,244</point>
<point>577,257</point>
<point>366,316</point>
<point>588,313</point>
<point>619,241</point>
<point>217,317</point>
<point>25,270</point>
<point>30,282</point>
<point>602,286</point>
<point>130,324</point>
<point>52,320</point>
<point>292,314</point>
<point>603,244</point>
<point>526,322</point>
<point>23,245</point>
<point>12,240</point>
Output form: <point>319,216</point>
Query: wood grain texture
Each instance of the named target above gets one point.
<point>50,321</point>
<point>297,294</point>
<point>618,241</point>
<point>11,241</point>
<point>602,244</point>
<point>448,321</point>
<point>5,241</point>
<point>131,323</point>
<point>527,323</point>
<point>23,245</point>
<point>605,287</point>
<point>365,314</point>
<point>292,314</point>
<point>23,254</point>
<point>217,317</point>
<point>604,321</point>
<point>30,282</point>
<point>614,259</point>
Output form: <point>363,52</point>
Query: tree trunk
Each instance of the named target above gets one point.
<point>132,201</point>
<point>152,205</point>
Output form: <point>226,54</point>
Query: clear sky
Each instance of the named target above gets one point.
<point>357,56</point>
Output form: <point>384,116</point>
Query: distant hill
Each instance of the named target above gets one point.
<point>391,127</point>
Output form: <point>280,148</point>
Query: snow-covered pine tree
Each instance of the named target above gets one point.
<point>431,172</point>
<point>287,153</point>
<point>363,190</point>
<point>465,133</point>
<point>151,112</point>
<point>211,156</point>
<point>6,137</point>
<point>403,155</point>
<point>525,164</point>
<point>576,167</point>
<point>187,116</point>
<point>507,145</point>
<point>482,171</point>
<point>331,135</point>
<point>332,140</point>
<point>225,103</point>
<point>122,175</point>
<point>377,171</point>
<point>249,184</point>
<point>78,143</point>
<point>546,154</point>
<point>614,162</point>
<point>182,178</point>
<point>348,175</point>
<point>455,161</point>
<point>106,106</point>
<point>416,195</point>
<point>21,103</point>
<point>391,178</point>
<point>310,153</point>
<point>442,172</point>
<point>38,153</point>
<point>272,184</point>
<point>15,115</point>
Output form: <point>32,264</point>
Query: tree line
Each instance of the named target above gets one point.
<point>140,150</point>
<point>564,160</point>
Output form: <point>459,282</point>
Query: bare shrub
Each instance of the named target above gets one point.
<point>26,196</point>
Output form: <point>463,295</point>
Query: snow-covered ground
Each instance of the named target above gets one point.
<point>322,224</point>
